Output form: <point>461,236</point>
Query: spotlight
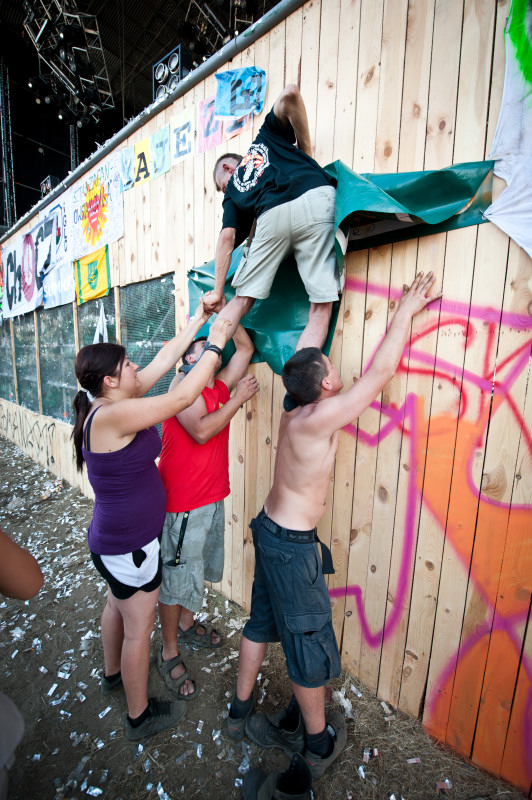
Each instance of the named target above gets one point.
<point>38,101</point>
<point>47,100</point>
<point>60,115</point>
<point>30,84</point>
<point>79,123</point>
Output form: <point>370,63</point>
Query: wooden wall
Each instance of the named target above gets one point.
<point>429,513</point>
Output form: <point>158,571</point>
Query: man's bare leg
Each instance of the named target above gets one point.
<point>169,618</point>
<point>317,326</point>
<point>312,705</point>
<point>236,308</point>
<point>251,657</point>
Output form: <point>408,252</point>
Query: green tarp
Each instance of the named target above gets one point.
<point>371,210</point>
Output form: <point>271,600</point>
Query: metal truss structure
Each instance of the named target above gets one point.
<point>71,58</point>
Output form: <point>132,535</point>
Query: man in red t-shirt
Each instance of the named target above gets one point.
<point>194,466</point>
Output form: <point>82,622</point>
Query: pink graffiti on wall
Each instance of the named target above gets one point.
<point>483,532</point>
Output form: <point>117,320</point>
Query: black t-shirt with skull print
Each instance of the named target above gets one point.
<point>273,171</point>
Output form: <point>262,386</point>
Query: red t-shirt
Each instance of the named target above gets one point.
<point>193,474</point>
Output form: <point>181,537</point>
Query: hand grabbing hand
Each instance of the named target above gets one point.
<point>213,301</point>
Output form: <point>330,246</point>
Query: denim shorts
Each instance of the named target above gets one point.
<point>202,555</point>
<point>290,604</point>
<point>304,227</point>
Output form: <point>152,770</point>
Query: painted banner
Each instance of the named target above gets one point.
<point>240,92</point>
<point>96,213</point>
<point>92,276</point>
<point>26,263</point>
<point>512,143</point>
<point>127,168</point>
<point>58,283</point>
<point>232,127</point>
<point>182,130</point>
<point>210,129</point>
<point>142,162</point>
<point>160,151</point>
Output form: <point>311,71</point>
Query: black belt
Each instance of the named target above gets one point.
<point>300,537</point>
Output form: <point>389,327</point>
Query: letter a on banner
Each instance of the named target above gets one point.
<point>92,275</point>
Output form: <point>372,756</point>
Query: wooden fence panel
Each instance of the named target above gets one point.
<point>428,510</point>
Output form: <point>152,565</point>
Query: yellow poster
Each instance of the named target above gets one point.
<point>92,275</point>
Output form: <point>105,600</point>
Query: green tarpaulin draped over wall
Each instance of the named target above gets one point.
<point>371,210</point>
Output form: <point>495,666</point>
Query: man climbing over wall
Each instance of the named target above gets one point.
<point>194,466</point>
<point>279,184</point>
<point>289,600</point>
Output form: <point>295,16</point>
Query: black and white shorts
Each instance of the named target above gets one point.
<point>128,573</point>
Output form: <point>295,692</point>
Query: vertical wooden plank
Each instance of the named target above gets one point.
<point>251,502</point>
<point>347,84</point>
<point>310,56</point>
<point>404,261</point>
<point>492,518</point>
<point>76,328</point>
<point>388,452</point>
<point>327,84</point>
<point>117,315</point>
<point>416,84</point>
<point>187,188</point>
<point>202,91</point>
<point>292,53</point>
<point>37,359</point>
<point>369,57</point>
<point>13,356</point>
<point>238,522</point>
<point>516,761</point>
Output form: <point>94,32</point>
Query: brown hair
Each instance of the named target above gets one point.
<point>92,364</point>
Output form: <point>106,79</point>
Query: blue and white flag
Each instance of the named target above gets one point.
<point>240,92</point>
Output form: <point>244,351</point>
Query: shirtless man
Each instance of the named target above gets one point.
<point>289,599</point>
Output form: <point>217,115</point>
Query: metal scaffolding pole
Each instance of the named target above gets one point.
<point>8,176</point>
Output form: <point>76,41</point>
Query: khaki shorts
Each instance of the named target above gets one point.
<point>202,555</point>
<point>305,227</point>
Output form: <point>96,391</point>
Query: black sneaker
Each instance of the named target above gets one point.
<point>163,715</point>
<point>264,731</point>
<point>336,727</point>
<point>107,685</point>
<point>294,784</point>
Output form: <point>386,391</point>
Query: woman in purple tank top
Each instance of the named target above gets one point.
<point>115,435</point>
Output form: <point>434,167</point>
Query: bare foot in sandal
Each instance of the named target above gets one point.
<point>174,673</point>
<point>200,636</point>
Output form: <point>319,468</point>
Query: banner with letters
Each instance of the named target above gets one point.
<point>240,92</point>
<point>92,275</point>
<point>182,132</point>
<point>210,129</point>
<point>160,151</point>
<point>25,265</point>
<point>96,211</point>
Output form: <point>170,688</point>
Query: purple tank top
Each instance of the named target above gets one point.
<point>130,499</point>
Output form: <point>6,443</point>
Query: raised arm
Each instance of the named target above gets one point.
<point>334,413</point>
<point>20,574</point>
<point>237,366</point>
<point>169,355</point>
<point>129,416</point>
<point>202,426</point>
<point>290,109</point>
<point>222,261</point>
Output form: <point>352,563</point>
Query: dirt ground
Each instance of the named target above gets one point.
<point>74,744</point>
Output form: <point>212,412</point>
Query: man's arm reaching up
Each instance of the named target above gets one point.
<point>333,413</point>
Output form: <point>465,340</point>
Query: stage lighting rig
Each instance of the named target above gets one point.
<point>70,53</point>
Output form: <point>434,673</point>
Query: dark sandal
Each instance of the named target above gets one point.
<point>191,636</point>
<point>174,684</point>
